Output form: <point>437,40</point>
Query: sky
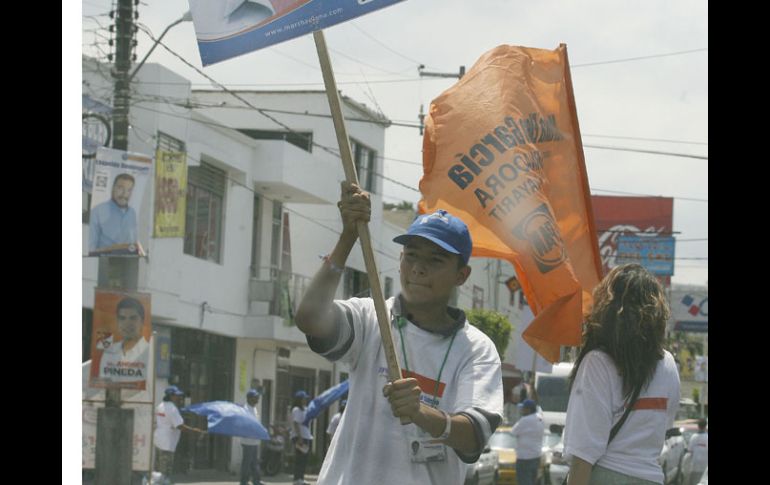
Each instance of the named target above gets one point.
<point>655,99</point>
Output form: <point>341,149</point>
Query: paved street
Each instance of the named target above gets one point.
<point>224,478</point>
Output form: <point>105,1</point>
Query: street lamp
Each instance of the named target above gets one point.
<point>185,18</point>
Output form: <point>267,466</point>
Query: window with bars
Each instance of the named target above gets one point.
<point>365,160</point>
<point>205,211</point>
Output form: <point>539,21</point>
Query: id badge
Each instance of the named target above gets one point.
<point>423,448</point>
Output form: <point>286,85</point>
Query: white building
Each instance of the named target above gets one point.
<point>261,210</point>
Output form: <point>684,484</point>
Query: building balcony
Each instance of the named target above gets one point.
<point>272,303</point>
<point>287,173</point>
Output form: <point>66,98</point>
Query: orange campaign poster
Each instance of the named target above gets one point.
<point>120,341</point>
<point>502,151</point>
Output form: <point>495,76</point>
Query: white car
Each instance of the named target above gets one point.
<point>559,466</point>
<point>704,480</point>
<point>485,470</point>
<point>671,455</point>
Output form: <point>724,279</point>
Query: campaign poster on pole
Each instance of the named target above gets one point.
<point>119,183</point>
<point>140,454</point>
<point>120,341</point>
<point>229,28</point>
<point>170,193</point>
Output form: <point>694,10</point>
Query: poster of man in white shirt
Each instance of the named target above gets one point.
<point>120,348</point>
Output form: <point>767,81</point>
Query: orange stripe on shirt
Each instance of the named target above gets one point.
<point>654,403</point>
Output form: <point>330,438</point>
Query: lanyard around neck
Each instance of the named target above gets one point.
<point>401,322</point>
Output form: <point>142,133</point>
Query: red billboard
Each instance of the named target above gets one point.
<point>630,216</point>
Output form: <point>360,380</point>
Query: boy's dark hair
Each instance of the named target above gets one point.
<point>131,303</point>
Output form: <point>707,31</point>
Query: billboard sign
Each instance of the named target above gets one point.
<point>690,310</point>
<point>656,254</point>
<point>629,216</point>
<point>229,28</point>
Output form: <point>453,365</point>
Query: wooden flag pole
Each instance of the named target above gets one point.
<point>394,369</point>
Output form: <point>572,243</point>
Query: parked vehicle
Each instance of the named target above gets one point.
<point>504,443</point>
<point>552,393</point>
<point>687,409</point>
<point>559,467</point>
<point>704,480</point>
<point>485,470</point>
<point>671,455</point>
<point>551,438</point>
<point>688,427</point>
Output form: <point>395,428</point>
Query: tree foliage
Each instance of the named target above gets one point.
<point>403,205</point>
<point>494,325</point>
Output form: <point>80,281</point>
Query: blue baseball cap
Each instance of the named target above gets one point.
<point>443,229</point>
<point>252,393</point>
<point>173,391</point>
<point>301,394</point>
<point>529,404</point>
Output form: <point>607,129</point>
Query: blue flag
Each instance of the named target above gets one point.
<point>230,419</point>
<point>324,400</point>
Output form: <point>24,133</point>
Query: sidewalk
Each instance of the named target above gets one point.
<point>214,477</point>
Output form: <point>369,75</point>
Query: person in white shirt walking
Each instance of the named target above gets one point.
<point>250,446</point>
<point>335,421</point>
<point>528,431</point>
<point>169,425</point>
<point>699,449</point>
<point>300,436</point>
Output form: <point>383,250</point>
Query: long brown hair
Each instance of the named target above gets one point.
<point>628,323</point>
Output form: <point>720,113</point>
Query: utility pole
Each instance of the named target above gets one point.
<point>423,73</point>
<point>115,425</point>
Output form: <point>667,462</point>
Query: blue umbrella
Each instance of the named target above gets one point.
<point>324,400</point>
<point>230,419</point>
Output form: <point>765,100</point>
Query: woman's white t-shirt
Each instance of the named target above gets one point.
<point>596,403</point>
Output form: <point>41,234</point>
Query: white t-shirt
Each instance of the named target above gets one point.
<point>370,445</point>
<point>131,366</point>
<point>596,404</point>
<point>699,447</point>
<point>529,431</point>
<point>333,424</point>
<point>251,410</point>
<point>167,419</point>
<point>298,416</point>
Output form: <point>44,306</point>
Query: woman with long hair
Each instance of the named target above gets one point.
<point>624,389</point>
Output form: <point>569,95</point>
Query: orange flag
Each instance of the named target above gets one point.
<point>502,151</point>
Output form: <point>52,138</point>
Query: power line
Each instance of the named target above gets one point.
<point>656,152</point>
<point>279,123</point>
<point>320,115</point>
<point>648,195</point>
<point>384,45</point>
<point>629,59</point>
<point>362,62</point>
<point>647,139</point>
<point>220,125</point>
